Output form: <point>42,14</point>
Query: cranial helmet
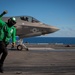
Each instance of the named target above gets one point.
<point>12,21</point>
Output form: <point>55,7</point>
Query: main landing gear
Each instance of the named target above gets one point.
<point>21,45</point>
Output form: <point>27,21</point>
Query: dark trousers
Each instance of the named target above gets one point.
<point>3,51</point>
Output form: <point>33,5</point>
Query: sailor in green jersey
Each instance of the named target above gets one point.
<point>7,31</point>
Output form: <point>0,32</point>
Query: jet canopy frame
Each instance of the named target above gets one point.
<point>29,19</point>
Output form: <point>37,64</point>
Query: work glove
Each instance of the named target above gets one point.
<point>4,12</point>
<point>13,45</point>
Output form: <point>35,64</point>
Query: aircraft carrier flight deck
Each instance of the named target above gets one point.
<point>43,60</point>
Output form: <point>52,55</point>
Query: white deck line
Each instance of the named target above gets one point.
<point>41,48</point>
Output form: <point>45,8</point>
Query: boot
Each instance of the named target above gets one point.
<point>1,68</point>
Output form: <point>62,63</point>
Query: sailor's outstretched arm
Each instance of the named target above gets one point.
<point>3,13</point>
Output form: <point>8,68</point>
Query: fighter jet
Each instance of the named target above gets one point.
<point>28,26</point>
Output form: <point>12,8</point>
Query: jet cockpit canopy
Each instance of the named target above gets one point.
<point>29,19</point>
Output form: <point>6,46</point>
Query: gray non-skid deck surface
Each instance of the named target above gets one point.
<point>40,62</point>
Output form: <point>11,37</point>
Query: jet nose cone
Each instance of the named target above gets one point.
<point>53,29</point>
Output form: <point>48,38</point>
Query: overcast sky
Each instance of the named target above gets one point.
<point>59,13</point>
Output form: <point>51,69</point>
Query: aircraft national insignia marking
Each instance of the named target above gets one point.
<point>34,30</point>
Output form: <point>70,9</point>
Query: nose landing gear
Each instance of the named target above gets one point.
<point>20,45</point>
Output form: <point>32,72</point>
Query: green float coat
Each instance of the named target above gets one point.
<point>7,32</point>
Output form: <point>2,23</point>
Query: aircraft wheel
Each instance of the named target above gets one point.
<point>19,47</point>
